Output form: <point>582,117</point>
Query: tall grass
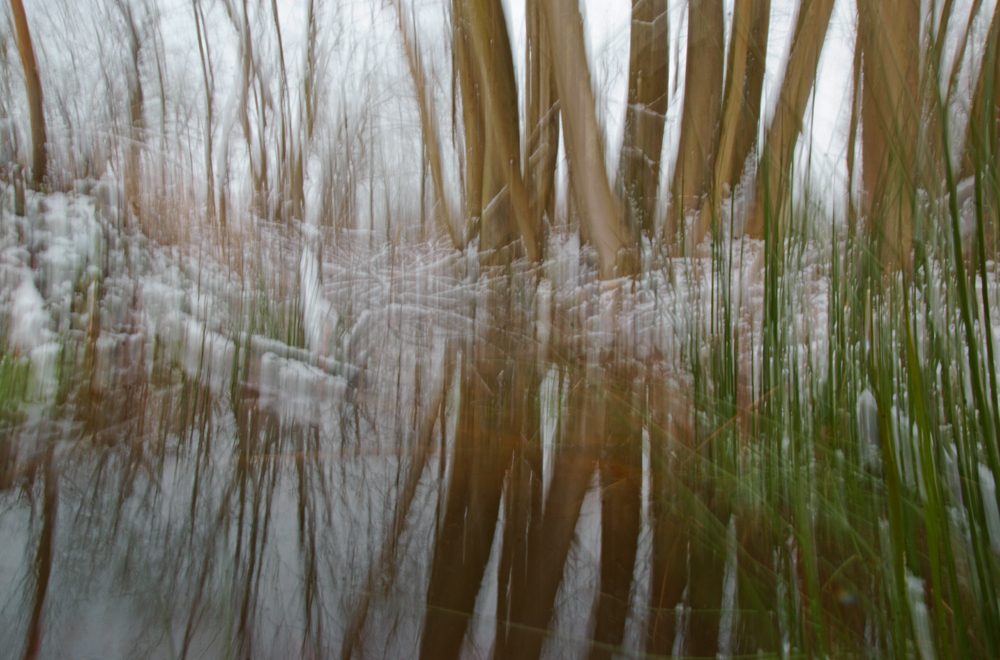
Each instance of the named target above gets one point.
<point>905,540</point>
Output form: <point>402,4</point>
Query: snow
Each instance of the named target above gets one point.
<point>318,315</point>
<point>29,320</point>
<point>916,591</point>
<point>992,514</point>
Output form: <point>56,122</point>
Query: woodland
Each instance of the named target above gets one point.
<point>499,328</point>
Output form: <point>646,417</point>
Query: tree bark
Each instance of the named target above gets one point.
<point>639,167</point>
<point>753,87</point>
<point>542,117</point>
<point>33,84</point>
<point>583,142</point>
<point>493,71</point>
<point>472,114</point>
<point>800,74</point>
<point>890,112</point>
<point>732,113</point>
<point>550,542</point>
<point>670,440</point>
<point>498,228</point>
<point>620,470</point>
<point>700,116</point>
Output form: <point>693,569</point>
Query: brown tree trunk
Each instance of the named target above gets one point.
<point>472,114</point>
<point>495,415</point>
<point>44,557</point>
<point>700,116</point>
<point>428,125</point>
<point>584,149</point>
<point>890,112</point>
<point>669,442</point>
<point>800,74</point>
<point>523,499</point>
<point>740,105</point>
<point>852,138</point>
<point>136,102</point>
<point>620,472</point>
<point>542,117</point>
<point>493,71</point>
<point>465,537</point>
<point>550,542</point>
<point>34,90</point>
<point>498,227</point>
<point>753,87</point>
<point>648,76</point>
<point>732,105</point>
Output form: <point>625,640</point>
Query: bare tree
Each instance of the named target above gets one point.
<point>34,89</point>
<point>428,124</point>
<point>584,148</point>
<point>796,88</point>
<point>136,101</point>
<point>542,116</point>
<point>208,76</point>
<point>639,167</point>
<point>473,121</point>
<point>700,116</point>
<point>493,69</point>
<point>255,101</point>
<point>740,104</point>
<point>890,111</point>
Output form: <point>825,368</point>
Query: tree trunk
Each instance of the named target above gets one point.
<point>669,443</point>
<point>542,117</point>
<point>740,105</point>
<point>34,90</point>
<point>428,125</point>
<point>465,537</point>
<point>800,74</point>
<point>494,418</point>
<point>499,228</point>
<point>890,112</point>
<point>732,105</point>
<point>852,138</point>
<point>472,114</point>
<point>583,141</point>
<point>648,76</point>
<point>209,81</point>
<point>550,542</point>
<point>494,72</point>
<point>136,103</point>
<point>700,117</point>
<point>620,470</point>
<point>753,87</point>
